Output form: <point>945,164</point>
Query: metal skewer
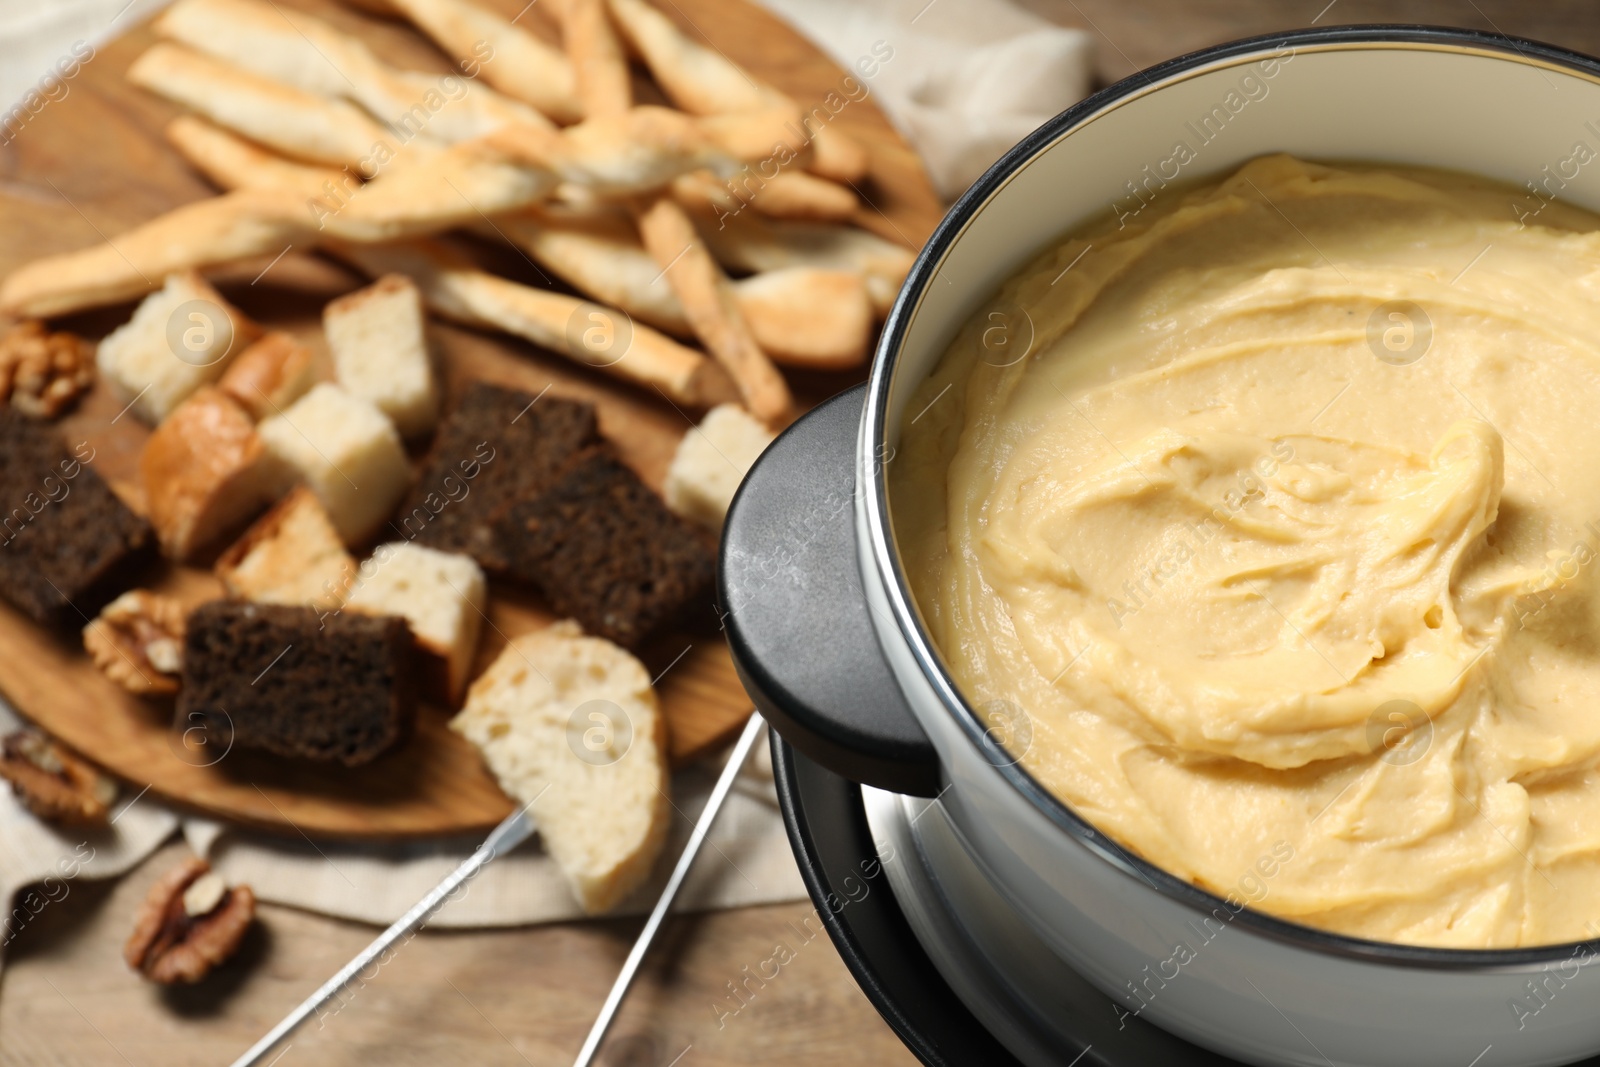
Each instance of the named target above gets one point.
<point>515,829</point>
<point>630,966</point>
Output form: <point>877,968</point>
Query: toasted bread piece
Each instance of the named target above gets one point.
<point>571,724</point>
<point>442,595</point>
<point>347,451</point>
<point>380,351</point>
<point>292,555</point>
<point>269,375</point>
<point>711,461</point>
<point>204,473</point>
<point>180,338</point>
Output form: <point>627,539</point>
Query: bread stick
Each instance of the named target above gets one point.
<point>232,162</point>
<point>519,64</point>
<point>294,122</point>
<point>604,84</point>
<point>712,309</point>
<point>456,290</point>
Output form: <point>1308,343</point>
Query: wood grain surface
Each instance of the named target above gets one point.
<point>516,998</point>
<point>95,164</point>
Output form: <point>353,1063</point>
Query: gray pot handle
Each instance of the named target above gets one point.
<point>797,619</point>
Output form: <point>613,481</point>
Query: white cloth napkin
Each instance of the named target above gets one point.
<point>40,864</point>
<point>963,80</point>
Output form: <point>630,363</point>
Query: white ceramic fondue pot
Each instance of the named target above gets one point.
<point>827,637</point>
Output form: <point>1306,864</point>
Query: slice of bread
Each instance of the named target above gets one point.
<point>572,721</point>
<point>380,351</point>
<point>442,595</point>
<point>269,375</point>
<point>347,451</point>
<point>204,473</point>
<point>292,555</point>
<point>711,461</point>
<point>180,338</point>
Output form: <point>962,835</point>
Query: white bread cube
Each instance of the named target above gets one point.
<point>180,338</point>
<point>572,720</point>
<point>380,351</point>
<point>711,461</point>
<point>292,555</point>
<point>346,451</point>
<point>441,594</point>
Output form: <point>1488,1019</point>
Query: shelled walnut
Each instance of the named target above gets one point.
<point>137,640</point>
<point>44,373</point>
<point>190,922</point>
<point>53,783</point>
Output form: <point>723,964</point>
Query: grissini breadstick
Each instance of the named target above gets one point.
<point>702,81</point>
<point>808,317</point>
<point>289,120</point>
<point>614,155</point>
<point>519,65</point>
<point>759,136</point>
<point>203,234</point>
<point>605,86</point>
<point>232,162</point>
<point>787,195</point>
<point>306,53</point>
<point>602,259</point>
<point>800,316</point>
<point>458,186</point>
<point>749,243</point>
<point>709,303</point>
<point>454,289</point>
<point>696,78</point>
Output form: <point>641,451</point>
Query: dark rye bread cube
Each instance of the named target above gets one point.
<point>67,541</point>
<point>498,446</point>
<point>603,549</point>
<point>296,681</point>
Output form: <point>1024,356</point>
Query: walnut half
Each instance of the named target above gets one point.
<point>53,783</point>
<point>190,922</point>
<point>44,373</point>
<point>137,640</point>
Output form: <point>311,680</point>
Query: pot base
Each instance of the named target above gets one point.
<point>861,853</point>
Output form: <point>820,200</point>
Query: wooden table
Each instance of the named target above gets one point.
<point>527,996</point>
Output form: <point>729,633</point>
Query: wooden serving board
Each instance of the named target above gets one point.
<point>94,164</point>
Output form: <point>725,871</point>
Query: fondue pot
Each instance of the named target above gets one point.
<point>1017,900</point>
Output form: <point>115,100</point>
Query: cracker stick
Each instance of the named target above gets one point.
<point>459,186</point>
<point>643,148</point>
<point>455,188</point>
<point>759,136</point>
<point>696,78</point>
<point>788,195</point>
<point>601,259</point>
<point>518,63</point>
<point>232,162</point>
<point>203,234</point>
<point>306,53</point>
<point>704,82</point>
<point>801,316</point>
<point>807,317</point>
<point>294,122</point>
<point>709,303</point>
<point>456,290</point>
<point>746,242</point>
<point>604,83</point>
